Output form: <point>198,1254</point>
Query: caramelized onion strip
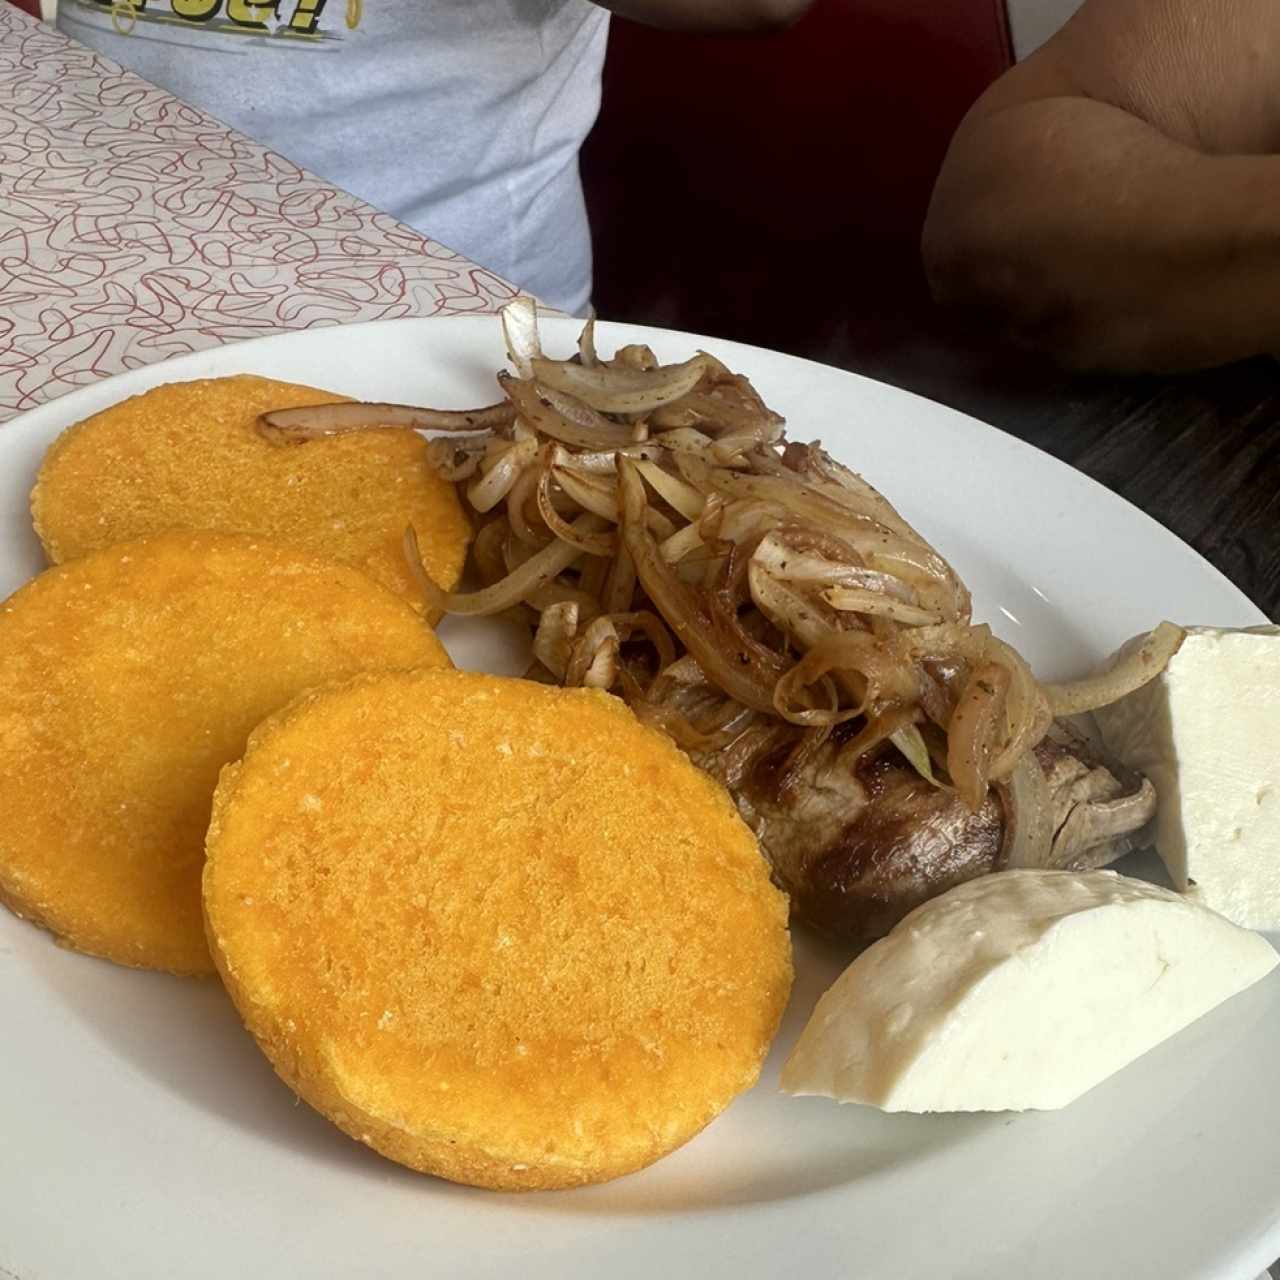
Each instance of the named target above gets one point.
<point>619,389</point>
<point>1139,662</point>
<point>314,422</point>
<point>971,735</point>
<point>539,569</point>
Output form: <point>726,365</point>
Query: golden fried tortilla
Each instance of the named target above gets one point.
<point>497,931</point>
<point>187,455</point>
<point>128,678</point>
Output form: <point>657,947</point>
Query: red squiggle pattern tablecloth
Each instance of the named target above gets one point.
<point>134,227</point>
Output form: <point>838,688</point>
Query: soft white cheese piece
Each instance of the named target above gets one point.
<point>1207,734</point>
<point>1020,990</point>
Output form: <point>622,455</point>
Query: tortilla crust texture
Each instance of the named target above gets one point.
<point>187,455</point>
<point>497,931</point>
<point>128,678</point>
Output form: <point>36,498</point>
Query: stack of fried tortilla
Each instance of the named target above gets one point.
<point>497,931</point>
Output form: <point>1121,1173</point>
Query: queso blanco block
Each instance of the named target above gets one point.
<point>1207,734</point>
<point>1020,990</point>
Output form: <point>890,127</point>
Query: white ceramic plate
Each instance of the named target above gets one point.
<point>141,1135</point>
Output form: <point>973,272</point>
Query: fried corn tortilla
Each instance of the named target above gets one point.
<point>188,455</point>
<point>128,678</point>
<point>497,931</point>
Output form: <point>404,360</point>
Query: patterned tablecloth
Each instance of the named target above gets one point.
<point>134,227</point>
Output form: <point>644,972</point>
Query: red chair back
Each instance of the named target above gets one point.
<point>773,188</point>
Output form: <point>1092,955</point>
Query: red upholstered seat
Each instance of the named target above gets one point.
<point>773,188</point>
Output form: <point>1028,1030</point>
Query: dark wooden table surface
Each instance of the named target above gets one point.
<point>1199,452</point>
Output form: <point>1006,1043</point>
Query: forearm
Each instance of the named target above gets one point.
<point>1094,235</point>
<point>710,16</point>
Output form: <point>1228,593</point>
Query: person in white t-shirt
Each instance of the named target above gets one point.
<point>1032,22</point>
<point>1115,199</point>
<point>462,118</point>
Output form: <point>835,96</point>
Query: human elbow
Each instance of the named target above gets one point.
<point>977,261</point>
<point>767,16</point>
<point>971,261</point>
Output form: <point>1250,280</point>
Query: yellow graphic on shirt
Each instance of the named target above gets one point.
<point>288,18</point>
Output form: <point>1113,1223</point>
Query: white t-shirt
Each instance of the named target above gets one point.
<point>462,118</point>
<point>1032,22</point>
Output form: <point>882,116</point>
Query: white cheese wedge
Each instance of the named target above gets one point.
<point>1207,734</point>
<point>1020,990</point>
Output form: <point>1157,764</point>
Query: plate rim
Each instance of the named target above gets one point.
<point>61,411</point>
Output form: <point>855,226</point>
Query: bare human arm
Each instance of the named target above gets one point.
<point>710,16</point>
<point>1116,198</point>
